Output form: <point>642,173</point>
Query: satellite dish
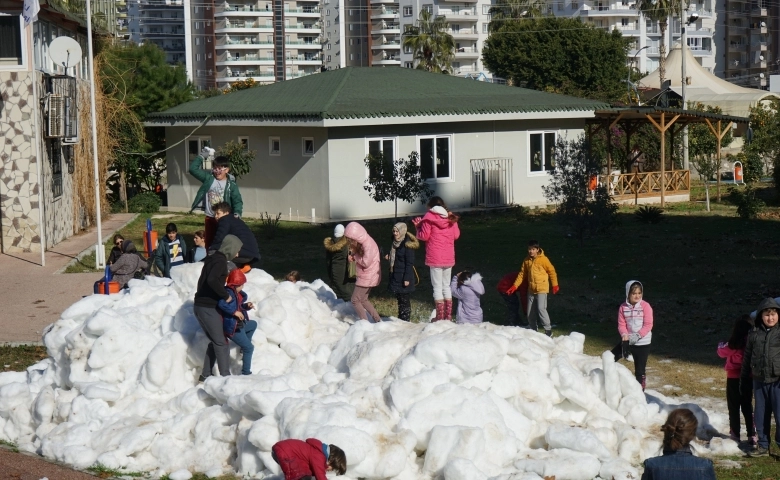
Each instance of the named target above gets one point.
<point>763,24</point>
<point>760,75</point>
<point>761,58</point>
<point>65,52</point>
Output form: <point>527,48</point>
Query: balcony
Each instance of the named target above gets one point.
<point>628,30</point>
<point>242,42</point>
<point>384,2</point>
<point>699,32</point>
<point>311,28</point>
<point>653,30</point>
<point>386,27</point>
<point>607,10</point>
<point>304,60</point>
<point>700,51</point>
<point>384,12</point>
<point>703,13</point>
<point>300,74</point>
<point>759,12</point>
<point>737,47</point>
<point>459,15</point>
<point>467,52</point>
<point>653,51</point>
<point>464,34</point>
<point>244,75</point>
<point>758,46</point>
<point>246,27</point>
<point>160,21</point>
<point>301,44</point>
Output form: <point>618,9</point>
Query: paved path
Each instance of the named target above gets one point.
<point>35,296</point>
<point>22,466</point>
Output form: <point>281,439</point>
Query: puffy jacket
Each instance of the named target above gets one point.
<point>469,308</point>
<point>231,323</point>
<point>368,269</point>
<point>211,283</point>
<point>336,254</point>
<point>162,255</point>
<point>636,318</point>
<point>439,234</point>
<point>539,273</point>
<point>733,358</point>
<point>300,459</point>
<point>678,465</point>
<point>762,352</point>
<point>403,268</point>
<point>232,195</point>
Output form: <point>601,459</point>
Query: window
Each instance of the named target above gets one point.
<point>485,27</point>
<point>408,12</point>
<point>329,58</point>
<point>409,65</point>
<point>428,8</point>
<point>540,154</point>
<point>307,146</point>
<point>274,146</point>
<point>351,56</point>
<point>196,9</point>
<point>197,57</point>
<point>351,26</point>
<point>351,12</point>
<point>11,40</point>
<point>435,162</point>
<point>351,41</point>
<point>486,9</point>
<point>327,12</point>
<point>194,146</point>
<point>328,24</point>
<point>244,141</point>
<point>358,41</point>
<point>407,49</point>
<point>197,40</point>
<point>329,46</point>
<point>377,148</point>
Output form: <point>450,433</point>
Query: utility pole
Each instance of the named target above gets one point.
<point>684,22</point>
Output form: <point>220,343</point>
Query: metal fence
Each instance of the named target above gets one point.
<point>491,182</point>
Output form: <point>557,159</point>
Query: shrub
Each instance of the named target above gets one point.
<point>521,213</point>
<point>270,224</point>
<point>146,202</point>
<point>748,205</point>
<point>649,214</point>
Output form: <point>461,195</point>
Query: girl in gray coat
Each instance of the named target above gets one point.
<point>467,288</point>
<point>127,264</point>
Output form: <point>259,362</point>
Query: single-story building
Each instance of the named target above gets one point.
<point>478,143</point>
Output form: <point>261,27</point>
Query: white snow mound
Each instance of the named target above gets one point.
<point>403,400</point>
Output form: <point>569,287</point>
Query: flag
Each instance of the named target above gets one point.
<point>30,11</point>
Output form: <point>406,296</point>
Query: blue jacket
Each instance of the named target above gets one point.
<point>231,323</point>
<point>678,465</point>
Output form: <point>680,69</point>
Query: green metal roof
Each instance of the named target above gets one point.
<point>365,92</point>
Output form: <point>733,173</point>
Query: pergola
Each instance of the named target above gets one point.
<point>664,120</point>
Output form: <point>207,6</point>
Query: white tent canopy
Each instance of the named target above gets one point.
<point>706,88</point>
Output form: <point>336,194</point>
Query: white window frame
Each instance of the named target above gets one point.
<point>379,139</point>
<point>23,34</point>
<point>244,140</point>
<point>271,151</point>
<point>539,173</point>
<point>303,146</point>
<point>451,138</point>
<point>203,141</point>
<point>408,11</point>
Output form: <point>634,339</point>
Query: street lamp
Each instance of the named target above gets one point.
<point>683,50</point>
<point>629,83</point>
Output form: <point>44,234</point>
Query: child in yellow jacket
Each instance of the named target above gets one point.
<point>539,273</point>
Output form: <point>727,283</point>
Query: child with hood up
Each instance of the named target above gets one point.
<point>365,253</point>
<point>235,318</point>
<point>635,325</point>
<point>467,288</point>
<point>402,277</point>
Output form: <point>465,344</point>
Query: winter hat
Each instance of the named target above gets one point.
<point>236,278</point>
<point>338,232</point>
<point>128,247</point>
<point>401,227</point>
<point>230,246</point>
<point>441,211</point>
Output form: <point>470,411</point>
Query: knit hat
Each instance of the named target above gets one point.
<point>401,227</point>
<point>236,278</point>
<point>338,232</point>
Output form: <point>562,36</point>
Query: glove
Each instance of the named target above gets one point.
<point>207,152</point>
<point>511,290</point>
<point>555,289</point>
<point>626,350</point>
<point>633,338</point>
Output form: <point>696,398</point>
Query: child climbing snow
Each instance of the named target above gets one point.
<point>235,318</point>
<point>312,458</point>
<point>467,288</point>
<point>733,351</point>
<point>539,273</point>
<point>635,322</point>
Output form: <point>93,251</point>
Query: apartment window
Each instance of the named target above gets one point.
<point>575,5</point>
<point>274,146</point>
<point>435,160</point>
<point>486,9</point>
<point>351,12</point>
<point>328,34</point>
<point>307,146</point>
<point>327,12</point>
<point>428,8</point>
<point>351,41</point>
<point>244,142</point>
<point>197,40</point>
<point>208,55</point>
<point>351,56</point>
<point>194,146</point>
<point>329,58</point>
<point>624,22</point>
<point>485,27</point>
<point>328,25</point>
<point>358,41</point>
<point>407,49</point>
<point>329,46</point>
<point>383,148</point>
<point>196,9</point>
<point>358,56</point>
<point>540,155</point>
<point>11,40</point>
<point>197,57</point>
<point>351,26</point>
<point>409,65</point>
<point>408,12</point>
<point>208,39</point>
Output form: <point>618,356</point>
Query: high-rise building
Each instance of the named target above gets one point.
<point>160,22</point>
<point>346,26</point>
<point>750,30</point>
<point>200,43</point>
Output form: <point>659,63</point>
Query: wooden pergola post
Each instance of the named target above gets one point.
<point>719,134</point>
<point>662,128</point>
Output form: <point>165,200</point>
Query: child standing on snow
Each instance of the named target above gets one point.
<point>540,274</point>
<point>635,322</point>
<point>365,253</point>
<point>467,288</point>
<point>402,277</point>
<point>312,458</point>
<point>235,318</point>
<point>733,351</point>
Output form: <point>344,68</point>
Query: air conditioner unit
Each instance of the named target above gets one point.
<point>55,125</point>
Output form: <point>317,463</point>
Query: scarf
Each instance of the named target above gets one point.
<point>401,227</point>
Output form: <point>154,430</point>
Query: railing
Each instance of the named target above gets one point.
<point>240,8</point>
<point>463,31</point>
<point>387,26</point>
<point>454,13</point>
<point>316,41</point>
<point>466,50</point>
<point>646,184</point>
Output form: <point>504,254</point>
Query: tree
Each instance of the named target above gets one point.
<point>763,141</point>
<point>400,179</point>
<point>432,47</point>
<point>240,157</point>
<point>560,55</point>
<point>660,11</point>
<point>242,85</point>
<point>703,148</point>
<point>568,188</point>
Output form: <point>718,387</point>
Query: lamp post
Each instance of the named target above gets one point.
<point>683,51</point>
<point>629,83</point>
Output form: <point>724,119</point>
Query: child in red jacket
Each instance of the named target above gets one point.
<point>311,458</point>
<point>732,351</point>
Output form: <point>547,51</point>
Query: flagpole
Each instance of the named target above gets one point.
<point>100,252</point>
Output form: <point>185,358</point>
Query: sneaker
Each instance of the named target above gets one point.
<point>753,440</point>
<point>548,333</point>
<point>733,436</point>
<point>759,452</point>
<point>201,379</point>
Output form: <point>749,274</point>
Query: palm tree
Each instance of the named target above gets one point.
<point>432,46</point>
<point>514,10</point>
<point>660,11</point>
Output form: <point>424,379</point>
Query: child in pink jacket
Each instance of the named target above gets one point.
<point>439,230</point>
<point>365,253</point>
<point>635,325</point>
<point>732,351</point>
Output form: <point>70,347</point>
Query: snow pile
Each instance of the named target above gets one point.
<point>403,400</point>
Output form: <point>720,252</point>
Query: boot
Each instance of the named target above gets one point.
<point>448,310</point>
<point>644,382</point>
<point>439,312</point>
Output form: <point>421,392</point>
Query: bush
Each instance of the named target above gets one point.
<point>748,205</point>
<point>521,213</point>
<point>649,214</point>
<point>270,224</point>
<point>146,202</point>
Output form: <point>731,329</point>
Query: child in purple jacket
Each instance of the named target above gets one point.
<point>467,288</point>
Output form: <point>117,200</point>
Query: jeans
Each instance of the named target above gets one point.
<point>243,338</point>
<point>217,352</point>
<point>767,403</point>
<point>513,309</point>
<point>537,311</point>
<point>362,305</point>
<point>440,279</point>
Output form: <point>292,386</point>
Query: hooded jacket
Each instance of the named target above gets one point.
<point>368,270</point>
<point>336,260</point>
<point>162,255</point>
<point>636,318</point>
<point>469,308</point>
<point>439,232</point>
<point>403,267</point>
<point>232,195</point>
<point>762,352</point>
<point>538,272</point>
<point>211,283</point>
<point>300,459</point>
<point>127,264</point>
<point>230,322</point>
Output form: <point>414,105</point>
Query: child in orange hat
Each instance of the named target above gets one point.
<point>235,318</point>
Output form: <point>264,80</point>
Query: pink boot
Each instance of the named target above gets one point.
<point>448,310</point>
<point>439,312</point>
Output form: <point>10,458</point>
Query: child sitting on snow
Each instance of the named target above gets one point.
<point>677,460</point>
<point>467,288</point>
<point>300,459</point>
<point>235,318</point>
<point>733,351</point>
<point>635,322</point>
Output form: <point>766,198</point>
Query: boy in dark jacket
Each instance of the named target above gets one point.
<point>235,318</point>
<point>228,224</point>
<point>762,354</point>
<point>402,278</point>
<point>211,289</point>
<point>217,186</point>
<point>336,253</point>
<point>171,250</point>
<point>300,459</point>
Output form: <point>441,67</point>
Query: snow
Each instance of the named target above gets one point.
<point>403,400</point>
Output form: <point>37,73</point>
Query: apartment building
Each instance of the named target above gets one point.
<point>346,26</point>
<point>200,44</point>
<point>122,20</point>
<point>751,42</point>
<point>160,22</point>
